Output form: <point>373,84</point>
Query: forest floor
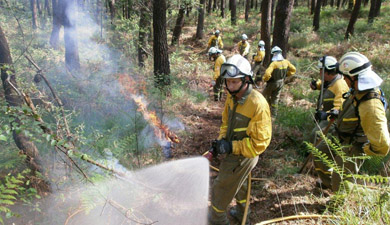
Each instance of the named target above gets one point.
<point>280,192</point>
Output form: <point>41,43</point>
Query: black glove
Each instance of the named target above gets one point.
<point>253,56</point>
<point>313,84</point>
<point>333,113</point>
<point>213,149</point>
<point>320,115</point>
<point>223,146</point>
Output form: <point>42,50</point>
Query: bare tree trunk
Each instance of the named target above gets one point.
<point>266,7</point>
<point>33,7</point>
<point>282,24</point>
<point>55,33</point>
<point>313,6</point>
<point>144,26</point>
<point>47,7</point>
<point>371,14</point>
<point>70,35</point>
<point>352,21</point>
<point>111,5</point>
<point>160,45</point>
<point>199,27</point>
<point>179,25</point>
<point>378,8</point>
<point>338,4</point>
<point>233,15</point>
<point>13,99</point>
<point>247,10</point>
<point>214,5</point>
<point>223,8</point>
<point>210,2</point>
<point>316,18</point>
<point>256,3</point>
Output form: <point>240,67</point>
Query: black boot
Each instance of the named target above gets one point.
<point>238,216</point>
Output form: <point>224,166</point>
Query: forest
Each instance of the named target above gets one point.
<point>108,109</point>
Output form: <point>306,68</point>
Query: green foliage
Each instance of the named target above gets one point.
<point>289,117</point>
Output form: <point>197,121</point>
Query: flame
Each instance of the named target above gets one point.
<point>128,89</point>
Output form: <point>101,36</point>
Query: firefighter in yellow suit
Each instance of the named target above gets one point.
<point>245,133</point>
<point>215,41</point>
<point>361,124</point>
<point>275,74</point>
<point>332,99</point>
<point>258,58</point>
<point>216,55</point>
<point>244,46</point>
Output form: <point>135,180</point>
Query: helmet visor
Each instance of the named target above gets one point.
<point>230,70</point>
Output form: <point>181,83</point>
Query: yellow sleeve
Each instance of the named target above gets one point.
<point>291,69</point>
<point>338,89</point>
<point>259,132</point>
<point>259,56</point>
<point>318,84</point>
<point>239,46</point>
<point>374,124</point>
<point>268,72</point>
<point>210,40</point>
<point>220,43</point>
<point>224,125</point>
<point>217,67</point>
<point>246,51</point>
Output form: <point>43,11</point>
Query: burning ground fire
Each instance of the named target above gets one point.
<point>160,130</point>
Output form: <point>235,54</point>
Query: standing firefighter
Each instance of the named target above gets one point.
<point>215,41</point>
<point>244,46</point>
<point>361,124</point>
<point>245,133</point>
<point>275,74</point>
<point>258,58</point>
<point>329,103</point>
<point>216,55</point>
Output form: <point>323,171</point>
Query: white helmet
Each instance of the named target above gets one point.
<point>236,67</point>
<point>276,49</point>
<point>356,64</point>
<point>217,32</point>
<point>261,43</point>
<point>244,37</point>
<point>330,62</point>
<point>214,50</point>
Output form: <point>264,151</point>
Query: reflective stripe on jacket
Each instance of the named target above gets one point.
<point>259,56</point>
<point>243,48</point>
<point>215,41</point>
<point>333,93</point>
<point>278,70</point>
<point>217,67</point>
<point>247,123</point>
<point>372,126</point>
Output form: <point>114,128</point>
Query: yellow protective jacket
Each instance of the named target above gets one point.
<point>259,56</point>
<point>247,123</point>
<point>243,48</point>
<point>217,67</point>
<point>278,70</point>
<point>333,93</point>
<point>371,130</point>
<point>215,41</point>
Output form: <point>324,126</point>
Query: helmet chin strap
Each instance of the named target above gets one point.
<point>233,93</point>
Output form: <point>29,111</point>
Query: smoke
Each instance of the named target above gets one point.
<point>174,192</point>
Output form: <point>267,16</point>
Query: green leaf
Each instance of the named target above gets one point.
<point>7,202</point>
<point>3,138</point>
<point>53,142</point>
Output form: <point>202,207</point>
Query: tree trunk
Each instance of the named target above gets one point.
<point>371,14</point>
<point>199,27</point>
<point>266,7</point>
<point>33,6</point>
<point>247,10</point>
<point>338,4</point>
<point>160,45</point>
<point>233,7</point>
<point>210,2</point>
<point>214,5</point>
<point>72,60</point>
<point>144,25</point>
<point>47,7</point>
<point>111,6</point>
<point>223,8</point>
<point>256,5</point>
<point>179,25</point>
<point>13,99</point>
<point>316,18</point>
<point>352,21</point>
<point>55,33</point>
<point>378,8</point>
<point>282,24</point>
<point>313,6</point>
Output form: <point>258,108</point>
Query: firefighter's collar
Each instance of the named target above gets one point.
<point>245,95</point>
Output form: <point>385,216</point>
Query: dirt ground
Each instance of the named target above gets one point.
<point>276,194</point>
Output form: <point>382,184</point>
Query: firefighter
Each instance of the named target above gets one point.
<point>215,41</point>
<point>333,89</point>
<point>244,134</point>
<point>258,59</point>
<point>361,125</point>
<point>244,46</point>
<point>275,74</point>
<point>216,55</point>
